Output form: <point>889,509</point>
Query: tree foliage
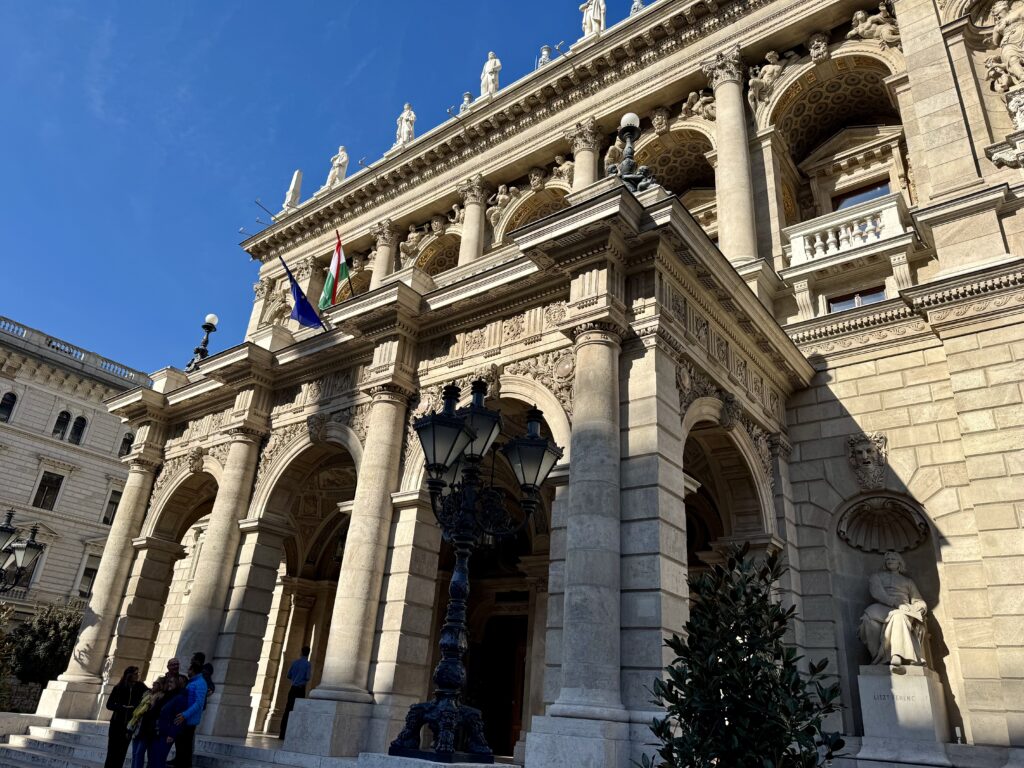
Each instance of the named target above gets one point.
<point>41,647</point>
<point>734,695</point>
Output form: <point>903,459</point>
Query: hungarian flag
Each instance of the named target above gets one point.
<point>340,266</point>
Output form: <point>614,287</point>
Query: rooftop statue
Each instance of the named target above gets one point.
<point>489,75</point>
<point>339,167</point>
<point>467,103</point>
<point>406,127</point>
<point>291,198</point>
<point>593,17</point>
<point>893,628</point>
<point>545,56</point>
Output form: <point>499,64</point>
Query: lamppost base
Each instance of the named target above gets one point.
<point>434,757</point>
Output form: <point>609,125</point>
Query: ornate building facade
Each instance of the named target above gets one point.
<point>808,338</point>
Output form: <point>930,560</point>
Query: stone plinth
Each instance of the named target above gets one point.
<point>329,728</point>
<point>904,716</point>
<point>374,760</point>
<point>576,742</point>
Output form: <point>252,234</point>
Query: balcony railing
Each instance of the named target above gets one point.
<point>865,224</point>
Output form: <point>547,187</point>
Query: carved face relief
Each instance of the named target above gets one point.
<point>867,455</point>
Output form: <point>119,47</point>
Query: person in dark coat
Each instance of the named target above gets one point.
<point>144,721</point>
<point>175,702</point>
<point>123,700</point>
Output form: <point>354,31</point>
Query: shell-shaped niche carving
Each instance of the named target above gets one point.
<point>882,523</point>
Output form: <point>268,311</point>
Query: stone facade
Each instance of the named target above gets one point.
<point>807,339</point>
<point>42,378</point>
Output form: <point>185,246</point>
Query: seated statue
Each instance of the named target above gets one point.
<point>893,628</point>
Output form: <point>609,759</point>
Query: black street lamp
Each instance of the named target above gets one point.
<point>201,352</point>
<point>636,178</point>
<point>20,553</point>
<point>454,446</point>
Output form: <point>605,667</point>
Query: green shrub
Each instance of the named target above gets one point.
<point>41,647</point>
<point>734,695</point>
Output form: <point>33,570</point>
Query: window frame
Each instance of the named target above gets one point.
<point>14,406</point>
<point>76,590</point>
<point>119,490</point>
<point>81,435</point>
<point>121,453</point>
<point>44,471</point>
<point>67,425</point>
<point>856,297</point>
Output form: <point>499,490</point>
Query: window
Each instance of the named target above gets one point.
<point>77,430</point>
<point>60,428</point>
<point>48,490</point>
<point>126,445</point>
<point>7,406</point>
<point>112,502</point>
<point>92,564</point>
<point>859,299</point>
<point>860,195</point>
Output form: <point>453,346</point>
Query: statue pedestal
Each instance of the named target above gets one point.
<point>904,716</point>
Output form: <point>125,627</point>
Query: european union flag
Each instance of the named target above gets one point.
<point>302,310</point>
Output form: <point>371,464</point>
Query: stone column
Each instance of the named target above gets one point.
<point>334,719</point>
<point>536,569</point>
<point>270,657</point>
<point>236,659</point>
<point>204,612</point>
<point>586,146</point>
<point>298,636</point>
<point>321,627</point>
<point>384,262</point>
<point>587,724</point>
<point>474,193</point>
<point>74,694</point>
<point>737,228</point>
<point>143,606</point>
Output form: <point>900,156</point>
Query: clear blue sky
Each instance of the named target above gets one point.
<point>135,136</point>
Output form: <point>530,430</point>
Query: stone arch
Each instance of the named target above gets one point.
<point>678,157</point>
<point>810,102</point>
<point>360,283</point>
<point>174,506</point>
<point>520,388</point>
<point>532,206</point>
<point>294,445</point>
<point>439,253</point>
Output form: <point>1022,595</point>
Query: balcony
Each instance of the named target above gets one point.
<point>869,227</point>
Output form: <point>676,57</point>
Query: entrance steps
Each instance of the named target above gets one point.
<point>83,744</point>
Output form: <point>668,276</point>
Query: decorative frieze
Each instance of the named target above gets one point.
<point>196,429</point>
<point>554,370</point>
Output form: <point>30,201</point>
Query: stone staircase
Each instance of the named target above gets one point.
<point>83,744</point>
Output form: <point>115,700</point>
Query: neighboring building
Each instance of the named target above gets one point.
<point>810,339</point>
<point>60,457</point>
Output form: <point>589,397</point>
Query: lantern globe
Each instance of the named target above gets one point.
<point>486,423</point>
<point>532,457</point>
<point>444,439</point>
<point>7,530</point>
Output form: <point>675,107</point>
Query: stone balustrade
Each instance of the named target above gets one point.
<point>864,224</point>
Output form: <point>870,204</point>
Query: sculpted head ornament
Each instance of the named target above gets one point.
<point>867,455</point>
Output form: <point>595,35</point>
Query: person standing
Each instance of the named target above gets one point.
<point>189,718</point>
<point>299,674</point>
<point>167,728</point>
<point>173,668</point>
<point>143,721</point>
<point>123,700</point>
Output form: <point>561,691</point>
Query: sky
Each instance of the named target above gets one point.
<point>135,137</point>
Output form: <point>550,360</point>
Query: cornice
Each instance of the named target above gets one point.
<point>629,47</point>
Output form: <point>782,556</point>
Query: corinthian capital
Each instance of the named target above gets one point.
<point>726,66</point>
<point>474,190</point>
<point>385,234</point>
<point>585,135</point>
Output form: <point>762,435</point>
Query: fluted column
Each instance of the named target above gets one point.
<point>204,612</point>
<point>474,194</point>
<point>586,146</point>
<point>74,694</point>
<point>737,230</point>
<point>384,262</point>
<point>590,634</point>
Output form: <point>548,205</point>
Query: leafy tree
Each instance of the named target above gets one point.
<point>6,613</point>
<point>734,695</point>
<point>41,647</point>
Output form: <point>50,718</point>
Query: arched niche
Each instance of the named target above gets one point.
<point>182,501</point>
<point>679,160</point>
<point>532,206</point>
<point>439,253</point>
<point>855,556</point>
<point>360,283</point>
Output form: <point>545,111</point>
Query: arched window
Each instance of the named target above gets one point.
<point>77,431</point>
<point>7,406</point>
<point>126,444</point>
<point>60,428</point>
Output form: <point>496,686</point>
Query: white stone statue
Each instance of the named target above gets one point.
<point>467,102</point>
<point>564,169</point>
<point>893,627</point>
<point>489,75</point>
<point>406,127</point>
<point>700,104</point>
<point>636,7</point>
<point>545,56</point>
<point>879,26</point>
<point>339,167</point>
<point>763,78</point>
<point>1007,69</point>
<point>499,202</point>
<point>593,17</point>
<point>411,246</point>
<point>291,199</point>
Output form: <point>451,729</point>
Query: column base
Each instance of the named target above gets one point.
<point>226,715</point>
<point>71,699</point>
<point>375,760</point>
<point>555,742</point>
<point>329,727</point>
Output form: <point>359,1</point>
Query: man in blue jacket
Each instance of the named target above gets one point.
<point>189,719</point>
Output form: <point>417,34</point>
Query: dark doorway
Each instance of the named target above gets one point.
<point>497,674</point>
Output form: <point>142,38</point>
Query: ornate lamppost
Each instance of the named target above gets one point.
<point>454,446</point>
<point>636,178</point>
<point>201,352</point>
<point>19,554</point>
